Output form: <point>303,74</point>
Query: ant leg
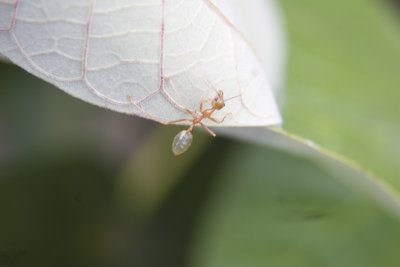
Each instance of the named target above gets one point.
<point>215,120</point>
<point>202,102</point>
<point>211,85</point>
<point>219,121</point>
<point>176,121</point>
<point>135,104</point>
<point>201,105</point>
<point>194,115</point>
<point>208,130</point>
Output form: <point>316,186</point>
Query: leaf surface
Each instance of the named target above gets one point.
<point>153,59</point>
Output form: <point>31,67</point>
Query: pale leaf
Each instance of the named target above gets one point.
<point>149,58</point>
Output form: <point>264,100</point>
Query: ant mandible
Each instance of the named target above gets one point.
<point>183,139</point>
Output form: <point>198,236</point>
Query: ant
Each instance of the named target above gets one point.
<point>183,139</point>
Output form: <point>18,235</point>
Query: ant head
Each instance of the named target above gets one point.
<point>218,101</point>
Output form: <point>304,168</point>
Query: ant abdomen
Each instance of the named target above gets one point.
<point>182,142</point>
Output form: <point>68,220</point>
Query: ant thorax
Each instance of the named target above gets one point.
<point>183,139</point>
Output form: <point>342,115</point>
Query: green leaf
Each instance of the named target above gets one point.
<point>343,80</point>
<point>276,209</point>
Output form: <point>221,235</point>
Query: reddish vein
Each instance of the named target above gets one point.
<point>13,18</point>
<point>86,44</point>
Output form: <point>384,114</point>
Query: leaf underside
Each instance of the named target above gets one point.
<point>153,59</point>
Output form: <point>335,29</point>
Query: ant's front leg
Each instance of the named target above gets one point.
<point>202,102</point>
<point>221,120</point>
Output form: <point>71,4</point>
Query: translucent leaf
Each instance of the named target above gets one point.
<point>152,59</point>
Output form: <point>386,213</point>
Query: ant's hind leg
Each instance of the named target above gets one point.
<point>208,130</point>
<point>176,121</point>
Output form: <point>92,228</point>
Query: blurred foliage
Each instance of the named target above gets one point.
<point>82,186</point>
<point>343,80</point>
<point>273,209</point>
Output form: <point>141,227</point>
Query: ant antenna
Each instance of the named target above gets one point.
<point>233,97</point>
<point>216,91</point>
<point>211,86</point>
